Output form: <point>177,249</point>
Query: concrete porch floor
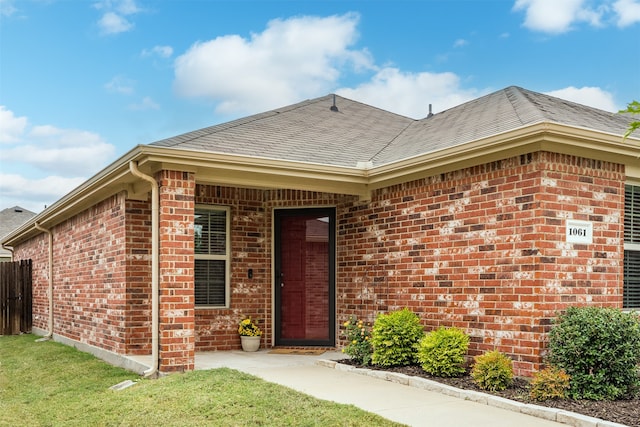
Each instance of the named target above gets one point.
<point>250,362</point>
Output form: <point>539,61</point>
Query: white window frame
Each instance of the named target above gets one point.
<point>226,257</point>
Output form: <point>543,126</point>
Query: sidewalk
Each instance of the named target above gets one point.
<point>318,376</point>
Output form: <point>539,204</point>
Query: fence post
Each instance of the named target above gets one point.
<point>26,301</point>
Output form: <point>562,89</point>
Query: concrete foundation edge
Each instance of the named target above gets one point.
<point>551,414</point>
<point>108,356</point>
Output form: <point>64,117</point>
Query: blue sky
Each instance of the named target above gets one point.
<point>83,82</point>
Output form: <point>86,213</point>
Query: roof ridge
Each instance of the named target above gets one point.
<point>17,208</point>
<point>391,141</point>
<point>371,106</point>
<point>515,94</point>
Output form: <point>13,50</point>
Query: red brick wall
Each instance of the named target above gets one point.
<point>483,249</point>
<point>89,270</point>
<point>177,322</point>
<point>217,329</point>
<point>101,270</point>
<point>251,242</point>
<point>138,277</point>
<point>89,276</point>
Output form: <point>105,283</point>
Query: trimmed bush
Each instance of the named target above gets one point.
<point>492,371</point>
<point>600,350</point>
<point>359,337</point>
<point>394,337</point>
<point>549,383</point>
<point>441,352</point>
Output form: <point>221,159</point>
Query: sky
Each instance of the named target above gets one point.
<point>83,82</point>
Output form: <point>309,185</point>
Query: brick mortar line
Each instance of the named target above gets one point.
<point>552,414</point>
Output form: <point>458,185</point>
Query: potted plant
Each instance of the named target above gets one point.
<point>249,335</point>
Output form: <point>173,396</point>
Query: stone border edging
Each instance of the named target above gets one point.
<point>551,414</point>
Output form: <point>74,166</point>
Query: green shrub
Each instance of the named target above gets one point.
<point>359,337</point>
<point>492,371</point>
<point>549,383</point>
<point>600,349</point>
<point>394,337</point>
<point>441,352</point>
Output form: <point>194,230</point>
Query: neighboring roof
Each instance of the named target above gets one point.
<point>311,131</point>
<point>337,145</point>
<point>10,219</point>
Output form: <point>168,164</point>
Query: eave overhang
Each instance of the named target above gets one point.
<point>256,172</point>
<point>360,181</point>
<point>543,136</point>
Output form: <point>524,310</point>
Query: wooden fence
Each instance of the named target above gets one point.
<point>15,297</point>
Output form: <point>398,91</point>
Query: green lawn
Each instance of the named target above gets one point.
<point>50,384</point>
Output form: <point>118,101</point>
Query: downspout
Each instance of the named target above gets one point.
<point>44,230</point>
<point>155,262</point>
<point>8,248</point>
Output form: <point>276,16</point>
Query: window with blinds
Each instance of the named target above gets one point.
<point>212,255</point>
<point>631,294</point>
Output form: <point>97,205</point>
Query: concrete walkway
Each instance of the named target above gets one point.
<point>412,406</point>
<point>397,397</point>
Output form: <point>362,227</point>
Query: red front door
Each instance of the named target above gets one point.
<point>305,308</point>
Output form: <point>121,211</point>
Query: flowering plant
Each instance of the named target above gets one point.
<point>359,346</point>
<point>249,329</point>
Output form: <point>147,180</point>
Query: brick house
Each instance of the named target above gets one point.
<point>491,216</point>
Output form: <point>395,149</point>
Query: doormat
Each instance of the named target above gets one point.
<point>302,351</point>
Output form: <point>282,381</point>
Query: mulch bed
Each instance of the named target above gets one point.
<point>625,412</point>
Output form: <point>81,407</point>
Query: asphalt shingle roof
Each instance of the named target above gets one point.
<point>310,131</point>
<point>10,219</point>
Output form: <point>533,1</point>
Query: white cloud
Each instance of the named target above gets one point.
<point>147,103</point>
<point>34,194</point>
<point>7,8</point>
<point>11,127</point>
<point>460,43</point>
<point>410,94</point>
<point>67,152</point>
<point>555,17</point>
<point>114,19</point>
<point>127,7</point>
<point>591,96</point>
<point>64,152</point>
<point>112,23</point>
<point>628,12</point>
<point>56,160</point>
<point>161,51</point>
<point>290,60</point>
<point>120,84</point>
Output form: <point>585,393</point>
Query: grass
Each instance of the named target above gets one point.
<point>50,384</point>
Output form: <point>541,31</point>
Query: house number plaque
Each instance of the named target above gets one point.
<point>579,231</point>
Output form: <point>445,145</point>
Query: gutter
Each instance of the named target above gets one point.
<point>50,291</point>
<point>155,262</point>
